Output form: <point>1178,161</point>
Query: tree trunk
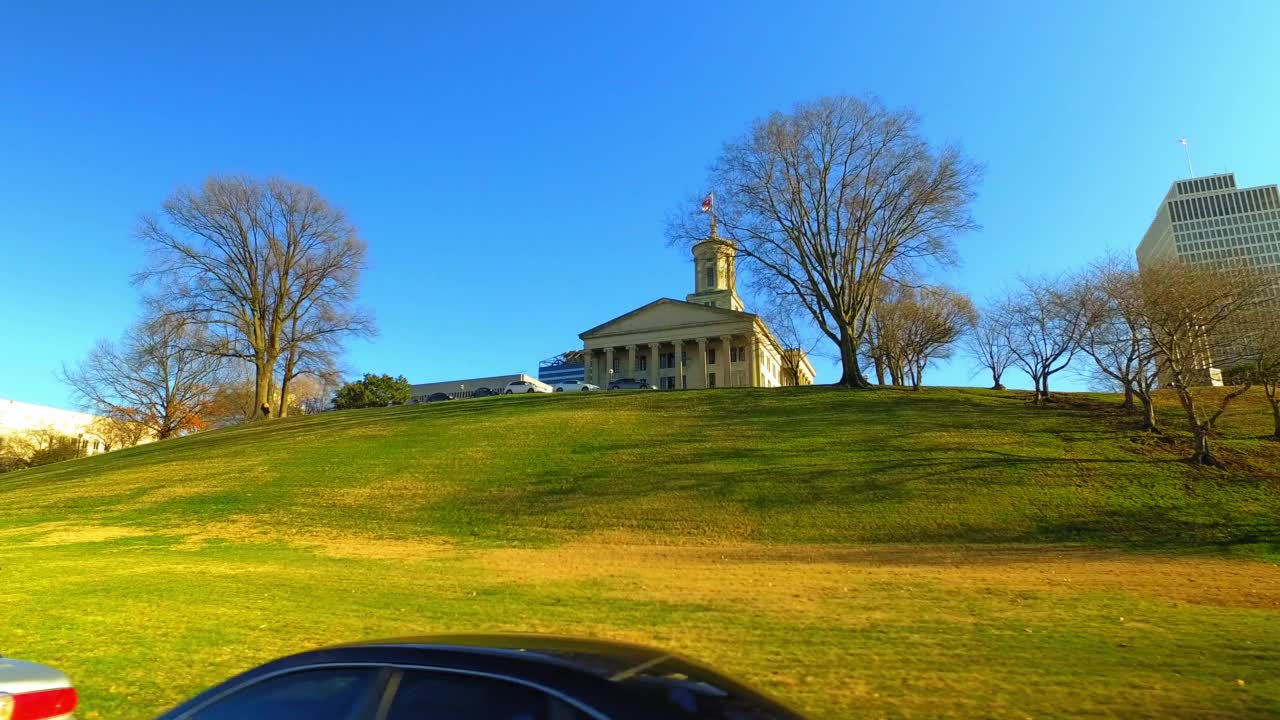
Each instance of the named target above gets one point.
<point>879,369</point>
<point>1200,450</point>
<point>283,405</point>
<point>1128,399</point>
<point>851,373</point>
<point>1275,416</point>
<point>1148,412</point>
<point>262,390</point>
<point>290,360</point>
<point>1044,382</point>
<point>995,380</point>
<point>1037,397</point>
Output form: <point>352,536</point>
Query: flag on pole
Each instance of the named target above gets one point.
<point>706,203</point>
<point>1182,141</point>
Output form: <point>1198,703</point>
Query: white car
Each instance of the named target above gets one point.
<point>526,386</point>
<point>38,692</point>
<point>575,386</point>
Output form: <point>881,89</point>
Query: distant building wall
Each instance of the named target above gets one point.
<point>463,388</point>
<point>552,374</point>
<point>17,418</point>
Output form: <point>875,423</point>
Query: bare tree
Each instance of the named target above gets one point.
<point>825,201</point>
<point>312,345</point>
<point>1197,319</point>
<point>159,377</point>
<point>988,345</point>
<point>117,433</point>
<point>1042,322</point>
<point>1264,366</point>
<point>786,321</point>
<point>1114,334</point>
<point>265,265</point>
<point>916,326</point>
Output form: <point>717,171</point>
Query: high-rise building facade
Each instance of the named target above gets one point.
<point>1209,221</point>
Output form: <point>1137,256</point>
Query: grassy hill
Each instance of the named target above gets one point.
<point>882,553</point>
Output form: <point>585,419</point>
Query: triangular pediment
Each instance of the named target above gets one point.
<point>662,314</point>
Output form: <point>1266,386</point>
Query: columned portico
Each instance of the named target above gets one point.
<point>631,361</point>
<point>654,348</point>
<point>607,375</point>
<point>725,375</point>
<point>679,358</point>
<point>702,361</point>
<point>753,379</point>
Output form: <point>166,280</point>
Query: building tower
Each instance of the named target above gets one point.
<point>715,274</point>
<point>1210,222</point>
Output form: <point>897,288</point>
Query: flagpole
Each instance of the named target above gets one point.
<point>713,214</point>
<point>1187,147</point>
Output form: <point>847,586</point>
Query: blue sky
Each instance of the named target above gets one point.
<point>511,164</point>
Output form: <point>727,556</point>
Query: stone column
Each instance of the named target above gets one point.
<point>631,361</point>
<point>653,363</point>
<point>607,375</point>
<point>678,355</point>
<point>702,359</point>
<point>726,342</point>
<point>753,377</point>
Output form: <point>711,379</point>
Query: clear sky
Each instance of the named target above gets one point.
<point>511,164</point>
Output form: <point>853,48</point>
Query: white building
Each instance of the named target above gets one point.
<point>707,340</point>
<point>19,418</point>
<point>1208,221</point>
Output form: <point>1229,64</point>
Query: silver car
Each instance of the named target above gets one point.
<point>35,692</point>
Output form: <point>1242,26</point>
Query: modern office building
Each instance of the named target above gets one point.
<point>567,366</point>
<point>1209,221</point>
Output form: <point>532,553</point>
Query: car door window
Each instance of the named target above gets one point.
<point>433,695</point>
<point>331,694</point>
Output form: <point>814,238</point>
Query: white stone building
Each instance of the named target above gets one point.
<point>707,340</point>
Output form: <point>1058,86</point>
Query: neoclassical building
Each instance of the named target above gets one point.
<point>706,340</point>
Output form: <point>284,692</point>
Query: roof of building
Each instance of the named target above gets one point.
<point>724,311</point>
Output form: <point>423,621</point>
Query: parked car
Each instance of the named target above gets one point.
<point>630,384</point>
<point>483,392</point>
<point>527,386</point>
<point>35,692</point>
<point>574,386</point>
<point>438,397</point>
<point>483,677</point>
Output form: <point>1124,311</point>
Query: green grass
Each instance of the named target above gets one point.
<point>882,553</point>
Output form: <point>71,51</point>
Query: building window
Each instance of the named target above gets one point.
<point>711,356</point>
<point>617,364</point>
<point>642,363</point>
<point>711,379</point>
<point>709,276</point>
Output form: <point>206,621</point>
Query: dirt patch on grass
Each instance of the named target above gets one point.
<point>803,577</point>
<point>241,530</point>
<point>68,533</point>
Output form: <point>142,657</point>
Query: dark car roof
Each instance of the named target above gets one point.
<point>618,679</point>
